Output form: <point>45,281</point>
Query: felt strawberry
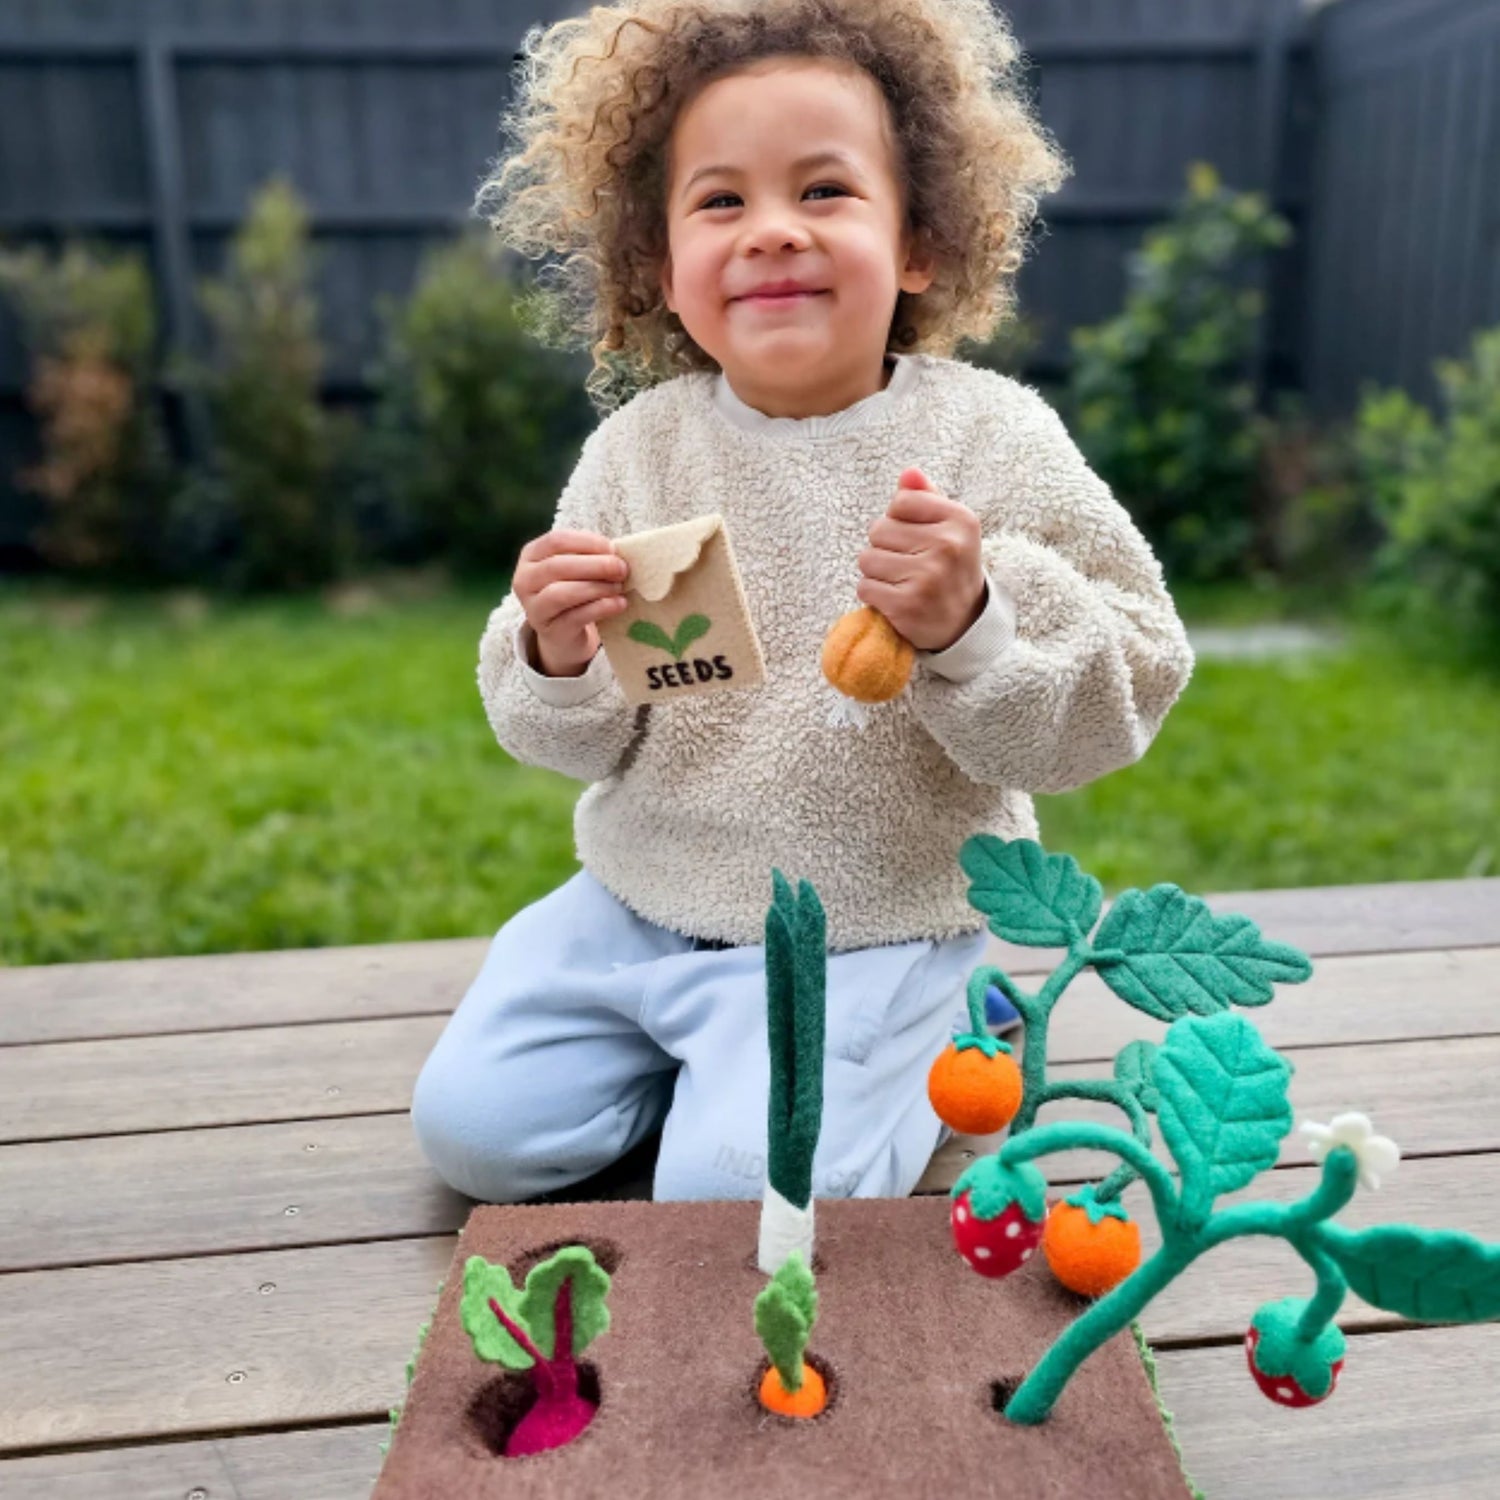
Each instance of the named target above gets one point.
<point>997,1216</point>
<point>1291,1369</point>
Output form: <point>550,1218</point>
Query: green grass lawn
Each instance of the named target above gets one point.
<point>178,777</point>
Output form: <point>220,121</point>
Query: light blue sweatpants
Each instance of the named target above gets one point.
<point>588,1027</point>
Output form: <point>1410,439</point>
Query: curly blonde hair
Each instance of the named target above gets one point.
<point>584,188</point>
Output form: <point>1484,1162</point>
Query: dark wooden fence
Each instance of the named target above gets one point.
<point>1372,126</point>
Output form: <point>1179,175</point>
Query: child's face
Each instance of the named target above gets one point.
<point>745,208</point>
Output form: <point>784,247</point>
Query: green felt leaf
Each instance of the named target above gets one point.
<point>1029,896</point>
<point>1433,1275</point>
<point>796,1007</point>
<point>534,1305</point>
<point>486,1333</point>
<point>695,627</point>
<point>644,633</point>
<point>1133,1066</point>
<point>784,1315</point>
<point>590,1282</point>
<point>1164,952</point>
<point>1223,1109</point>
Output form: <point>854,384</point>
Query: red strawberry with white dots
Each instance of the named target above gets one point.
<point>1300,1370</point>
<point>998,1215</point>
<point>994,1247</point>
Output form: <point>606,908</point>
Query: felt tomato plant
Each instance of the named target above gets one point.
<point>541,1327</point>
<point>1161,951</point>
<point>1223,1109</point>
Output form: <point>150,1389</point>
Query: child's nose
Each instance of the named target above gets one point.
<point>776,230</point>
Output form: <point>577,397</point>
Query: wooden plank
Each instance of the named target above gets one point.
<point>211,1345</point>
<point>194,1192</point>
<point>104,1354</point>
<point>75,1089</point>
<point>218,1078</point>
<point>1452,1111</point>
<point>1365,998</point>
<point>321,1463</point>
<point>1217,1296</point>
<point>1413,1419</point>
<point>146,996</point>
<point>150,996</point>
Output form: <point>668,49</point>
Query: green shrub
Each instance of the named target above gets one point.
<point>1316,525</point>
<point>1436,483</point>
<point>477,426</point>
<point>104,476</point>
<point>269,508</point>
<point>1161,395</point>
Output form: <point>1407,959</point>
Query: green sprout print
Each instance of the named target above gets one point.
<point>1221,1101</point>
<point>1162,951</point>
<point>693,628</point>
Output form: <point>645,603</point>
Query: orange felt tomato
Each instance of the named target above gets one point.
<point>972,1093</point>
<point>1087,1257</point>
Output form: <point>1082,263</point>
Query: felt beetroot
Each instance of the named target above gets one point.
<point>1293,1367</point>
<point>997,1216</point>
<point>542,1327</point>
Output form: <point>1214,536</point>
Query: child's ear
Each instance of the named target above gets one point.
<point>921,264</point>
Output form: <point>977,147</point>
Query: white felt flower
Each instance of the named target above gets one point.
<point>1377,1154</point>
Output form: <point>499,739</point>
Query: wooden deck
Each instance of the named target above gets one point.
<point>217,1239</point>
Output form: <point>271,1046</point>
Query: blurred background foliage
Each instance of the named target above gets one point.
<point>241,705</point>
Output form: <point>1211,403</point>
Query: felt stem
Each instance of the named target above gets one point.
<point>980,980</point>
<point>519,1334</point>
<point>1038,1015</point>
<point>1034,1401</point>
<point>1071,1135</point>
<point>1323,1308</point>
<point>1298,1223</point>
<point>1124,1099</point>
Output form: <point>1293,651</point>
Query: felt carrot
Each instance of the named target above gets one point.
<point>784,1315</point>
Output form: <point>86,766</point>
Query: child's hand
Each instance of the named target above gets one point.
<point>565,581</point>
<point>922,569</point>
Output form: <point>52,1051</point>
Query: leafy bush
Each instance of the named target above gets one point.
<point>1436,483</point>
<point>270,507</point>
<point>104,476</point>
<point>1316,524</point>
<point>1161,396</point>
<point>477,426</point>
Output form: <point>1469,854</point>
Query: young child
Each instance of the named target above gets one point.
<point>780,216</point>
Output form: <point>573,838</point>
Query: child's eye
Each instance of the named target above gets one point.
<point>720,199</point>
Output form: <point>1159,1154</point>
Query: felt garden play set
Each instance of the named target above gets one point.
<point>639,1349</point>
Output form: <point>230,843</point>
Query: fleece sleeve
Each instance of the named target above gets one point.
<point>1096,653</point>
<point>580,726</point>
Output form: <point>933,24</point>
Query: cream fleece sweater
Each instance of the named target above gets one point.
<point>1066,676</point>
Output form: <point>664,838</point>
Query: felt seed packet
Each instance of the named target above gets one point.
<point>687,628</point>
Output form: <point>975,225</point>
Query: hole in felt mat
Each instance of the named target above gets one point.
<point>830,1384</point>
<point>606,1252</point>
<point>1002,1390</point>
<point>500,1405</point>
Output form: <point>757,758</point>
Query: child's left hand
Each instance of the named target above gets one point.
<point>922,569</point>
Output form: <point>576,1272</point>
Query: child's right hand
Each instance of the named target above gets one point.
<point>566,581</point>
